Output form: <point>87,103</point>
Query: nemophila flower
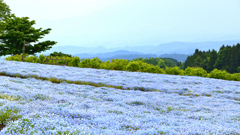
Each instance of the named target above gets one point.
<point>50,108</point>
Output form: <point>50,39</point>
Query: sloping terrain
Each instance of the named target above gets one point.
<point>166,104</point>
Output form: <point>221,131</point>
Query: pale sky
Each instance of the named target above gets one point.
<point>115,23</point>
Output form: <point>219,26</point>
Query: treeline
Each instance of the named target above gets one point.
<point>161,62</point>
<point>60,54</point>
<point>126,65</point>
<point>227,58</point>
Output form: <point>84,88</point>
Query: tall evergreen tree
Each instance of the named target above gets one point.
<point>238,53</point>
<point>204,60</point>
<point>226,58</point>
<point>187,62</point>
<point>233,60</point>
<point>198,61</point>
<point>220,59</point>
<point>213,58</point>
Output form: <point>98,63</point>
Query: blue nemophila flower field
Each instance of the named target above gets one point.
<point>169,104</point>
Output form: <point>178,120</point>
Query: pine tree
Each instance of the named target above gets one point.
<point>213,58</point>
<point>226,58</point>
<point>238,53</point>
<point>187,62</point>
<point>219,62</point>
<point>233,60</point>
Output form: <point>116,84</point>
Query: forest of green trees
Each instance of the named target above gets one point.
<point>227,58</point>
<point>161,62</point>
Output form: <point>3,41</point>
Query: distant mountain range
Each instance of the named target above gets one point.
<point>120,54</point>
<point>175,50</point>
<point>123,54</point>
<point>166,48</point>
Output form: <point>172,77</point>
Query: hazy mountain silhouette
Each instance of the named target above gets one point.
<point>166,48</point>
<point>123,54</point>
<point>178,57</point>
<point>175,50</point>
<point>105,55</point>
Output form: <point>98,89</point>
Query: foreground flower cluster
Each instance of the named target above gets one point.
<point>182,105</point>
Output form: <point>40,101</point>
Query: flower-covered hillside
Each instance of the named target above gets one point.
<point>182,104</point>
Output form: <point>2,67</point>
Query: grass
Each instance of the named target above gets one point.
<point>9,114</point>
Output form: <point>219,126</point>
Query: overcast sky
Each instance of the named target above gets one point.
<point>115,23</point>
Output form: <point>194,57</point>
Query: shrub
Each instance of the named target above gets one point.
<point>143,66</point>
<point>192,71</point>
<point>200,72</point>
<point>62,61</point>
<point>10,58</point>
<point>174,71</point>
<point>151,69</point>
<point>85,63</point>
<point>219,74</point>
<point>49,61</point>
<point>69,61</point>
<point>160,70</point>
<point>235,77</point>
<point>154,69</point>
<point>33,59</point>
<point>16,57</point>
<point>76,62</point>
<point>133,66</point>
<point>119,64</point>
<point>95,62</point>
<point>42,58</point>
<point>105,65</point>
